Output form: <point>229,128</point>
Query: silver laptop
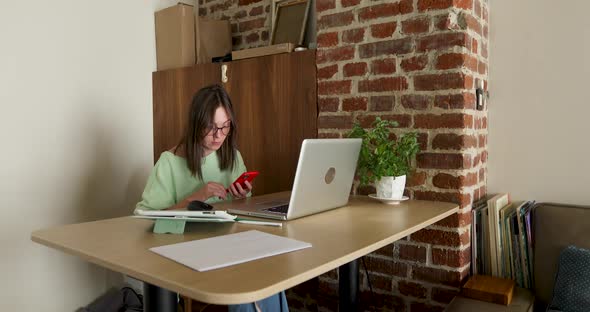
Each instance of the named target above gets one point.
<point>323,180</point>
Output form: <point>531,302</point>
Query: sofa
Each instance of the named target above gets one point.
<point>556,226</point>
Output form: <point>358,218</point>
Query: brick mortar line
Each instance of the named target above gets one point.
<point>443,229</point>
<point>429,284</point>
<point>445,191</point>
<point>378,256</point>
<point>397,35</point>
<point>468,150</point>
<point>431,173</point>
<point>367,38</point>
<point>442,267</point>
<point>447,268</point>
<point>461,190</point>
<point>256,30</point>
<point>458,230</point>
<point>430,187</point>
<point>413,113</point>
<point>454,48</point>
<point>410,88</point>
<point>397,279</point>
<point>465,229</point>
<point>472,169</point>
<point>399,58</point>
<point>411,54</point>
<point>411,243</point>
<point>252,18</point>
<point>412,74</point>
<point>239,7</point>
<point>451,248</point>
<point>453,172</point>
<point>428,257</point>
<point>399,106</point>
<point>405,111</point>
<point>415,12</point>
<point>438,112</point>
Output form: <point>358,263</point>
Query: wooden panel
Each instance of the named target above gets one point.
<point>276,106</point>
<point>172,92</point>
<point>337,237</point>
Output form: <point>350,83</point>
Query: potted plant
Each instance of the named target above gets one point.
<point>384,161</point>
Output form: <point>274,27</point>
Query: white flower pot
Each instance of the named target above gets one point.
<point>391,187</point>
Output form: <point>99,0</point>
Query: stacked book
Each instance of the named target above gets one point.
<point>501,240</point>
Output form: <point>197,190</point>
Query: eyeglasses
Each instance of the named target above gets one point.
<point>212,130</point>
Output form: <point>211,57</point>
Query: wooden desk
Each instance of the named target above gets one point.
<point>338,236</point>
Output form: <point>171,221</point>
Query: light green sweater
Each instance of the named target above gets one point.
<point>171,181</point>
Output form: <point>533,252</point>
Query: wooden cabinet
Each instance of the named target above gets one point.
<point>275,102</point>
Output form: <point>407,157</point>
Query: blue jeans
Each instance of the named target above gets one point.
<point>274,303</point>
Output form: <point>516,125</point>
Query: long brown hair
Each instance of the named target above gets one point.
<point>202,111</point>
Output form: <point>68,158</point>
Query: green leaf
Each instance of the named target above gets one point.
<point>380,156</point>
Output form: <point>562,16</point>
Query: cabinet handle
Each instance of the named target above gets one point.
<point>224,73</point>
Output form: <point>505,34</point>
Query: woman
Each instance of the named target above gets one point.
<point>205,161</point>
<point>202,166</point>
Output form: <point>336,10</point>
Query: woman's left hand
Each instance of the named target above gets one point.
<point>238,191</point>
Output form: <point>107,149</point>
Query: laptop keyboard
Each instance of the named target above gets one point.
<point>279,209</point>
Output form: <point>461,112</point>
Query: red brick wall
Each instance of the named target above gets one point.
<point>417,62</point>
<point>250,19</point>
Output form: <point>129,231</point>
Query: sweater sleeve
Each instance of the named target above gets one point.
<point>160,191</point>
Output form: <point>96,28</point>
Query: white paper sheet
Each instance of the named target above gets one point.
<point>221,251</point>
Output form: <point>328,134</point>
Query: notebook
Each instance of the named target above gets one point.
<point>184,214</point>
<point>222,251</point>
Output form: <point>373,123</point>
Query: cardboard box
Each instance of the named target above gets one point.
<point>175,37</point>
<point>213,39</point>
<point>179,43</point>
<point>261,51</point>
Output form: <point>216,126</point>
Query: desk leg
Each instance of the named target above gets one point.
<point>156,299</point>
<point>348,286</point>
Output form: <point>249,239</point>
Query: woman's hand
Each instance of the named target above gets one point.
<point>238,191</point>
<point>210,189</point>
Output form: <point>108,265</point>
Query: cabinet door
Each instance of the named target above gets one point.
<point>276,106</point>
<point>173,91</point>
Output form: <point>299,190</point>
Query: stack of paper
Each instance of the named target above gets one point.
<point>221,251</point>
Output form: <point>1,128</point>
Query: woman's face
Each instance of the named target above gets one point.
<point>217,131</point>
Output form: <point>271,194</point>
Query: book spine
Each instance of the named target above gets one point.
<point>486,242</point>
<point>529,242</point>
<point>492,230</point>
<point>518,255</point>
<point>480,245</point>
<point>523,246</point>
<point>474,260</point>
<point>511,249</point>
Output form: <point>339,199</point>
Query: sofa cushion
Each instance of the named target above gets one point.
<point>571,292</point>
<point>556,226</point>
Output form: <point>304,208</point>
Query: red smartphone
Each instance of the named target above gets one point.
<point>246,176</point>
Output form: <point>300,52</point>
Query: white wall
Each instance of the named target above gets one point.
<point>539,145</point>
<point>76,136</point>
